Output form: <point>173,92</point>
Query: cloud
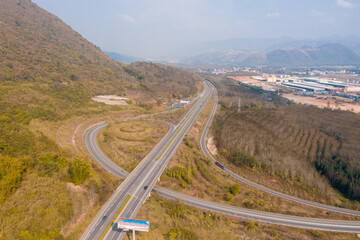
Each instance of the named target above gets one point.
<point>316,13</point>
<point>273,15</point>
<point>344,3</point>
<point>125,18</point>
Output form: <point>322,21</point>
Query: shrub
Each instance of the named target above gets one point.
<point>228,197</point>
<point>251,226</point>
<point>11,172</point>
<point>50,163</point>
<point>189,142</point>
<point>78,172</point>
<point>180,174</point>
<point>234,189</point>
<point>273,233</point>
<point>241,158</point>
<point>204,171</point>
<point>182,233</point>
<point>318,234</point>
<point>178,211</point>
<point>73,77</point>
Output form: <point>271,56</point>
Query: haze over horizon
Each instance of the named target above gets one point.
<point>163,28</point>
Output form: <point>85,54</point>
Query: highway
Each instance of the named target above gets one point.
<point>130,195</point>
<point>266,217</point>
<point>262,188</point>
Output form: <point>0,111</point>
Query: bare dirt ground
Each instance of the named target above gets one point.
<point>323,103</point>
<point>111,99</point>
<point>211,146</point>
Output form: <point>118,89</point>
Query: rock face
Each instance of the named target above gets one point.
<point>211,146</point>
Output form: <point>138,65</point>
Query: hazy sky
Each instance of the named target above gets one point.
<point>152,28</point>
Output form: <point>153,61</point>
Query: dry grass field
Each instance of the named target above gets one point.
<point>128,142</point>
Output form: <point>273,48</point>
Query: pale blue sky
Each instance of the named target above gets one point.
<point>152,28</point>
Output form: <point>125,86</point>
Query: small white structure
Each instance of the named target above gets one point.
<point>185,101</point>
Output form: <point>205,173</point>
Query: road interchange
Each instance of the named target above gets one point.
<point>127,200</point>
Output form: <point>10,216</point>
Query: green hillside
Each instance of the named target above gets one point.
<point>48,75</point>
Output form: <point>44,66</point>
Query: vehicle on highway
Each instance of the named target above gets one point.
<point>146,187</point>
<point>220,165</point>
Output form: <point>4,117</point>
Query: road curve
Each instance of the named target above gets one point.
<point>262,188</point>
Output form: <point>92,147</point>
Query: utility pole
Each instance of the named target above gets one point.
<point>239,105</point>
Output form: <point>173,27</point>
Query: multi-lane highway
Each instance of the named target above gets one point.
<point>262,188</point>
<point>130,195</point>
<point>137,186</point>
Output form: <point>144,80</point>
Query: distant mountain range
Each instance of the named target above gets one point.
<point>268,44</point>
<point>283,51</point>
<point>326,54</point>
<point>305,55</point>
<point>122,58</point>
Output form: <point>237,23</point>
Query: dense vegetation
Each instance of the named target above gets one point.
<point>341,174</point>
<point>289,141</point>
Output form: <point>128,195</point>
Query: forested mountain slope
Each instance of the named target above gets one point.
<point>293,142</point>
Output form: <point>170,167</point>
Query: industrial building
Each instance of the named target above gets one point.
<point>319,85</point>
<point>303,87</point>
